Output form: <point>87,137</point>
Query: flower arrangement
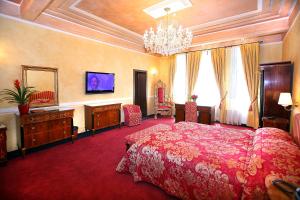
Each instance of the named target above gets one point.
<point>19,95</point>
<point>194,97</point>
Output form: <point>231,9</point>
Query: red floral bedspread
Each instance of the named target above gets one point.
<point>134,137</point>
<point>195,161</point>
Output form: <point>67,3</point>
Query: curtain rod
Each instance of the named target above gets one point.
<point>224,46</point>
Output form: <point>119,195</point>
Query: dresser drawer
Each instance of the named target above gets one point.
<point>35,139</point>
<point>39,139</point>
<point>108,107</point>
<point>59,134</point>
<point>35,128</point>
<point>60,124</point>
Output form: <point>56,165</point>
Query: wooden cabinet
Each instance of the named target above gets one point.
<point>205,114</point>
<point>37,129</point>
<point>102,116</point>
<point>280,123</point>
<point>3,150</point>
<point>275,78</point>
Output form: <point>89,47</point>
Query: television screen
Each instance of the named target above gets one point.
<point>97,82</point>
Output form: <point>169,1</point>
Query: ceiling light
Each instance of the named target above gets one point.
<point>169,38</point>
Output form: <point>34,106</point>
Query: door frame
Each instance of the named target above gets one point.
<point>134,72</point>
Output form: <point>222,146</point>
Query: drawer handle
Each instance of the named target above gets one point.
<point>65,132</point>
<point>33,139</point>
<point>64,122</point>
<point>33,128</point>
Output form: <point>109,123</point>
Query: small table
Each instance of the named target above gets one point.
<point>276,122</point>
<point>275,194</point>
<point>206,114</point>
<point>3,150</point>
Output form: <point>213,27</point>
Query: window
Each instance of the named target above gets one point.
<point>206,86</point>
<point>238,100</point>
<point>180,84</point>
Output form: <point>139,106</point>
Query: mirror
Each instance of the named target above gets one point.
<point>45,82</point>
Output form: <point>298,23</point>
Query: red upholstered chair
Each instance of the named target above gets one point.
<point>162,104</point>
<point>132,114</point>
<point>191,112</point>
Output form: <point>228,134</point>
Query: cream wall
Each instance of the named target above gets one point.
<point>22,43</point>
<point>270,52</point>
<point>291,52</point>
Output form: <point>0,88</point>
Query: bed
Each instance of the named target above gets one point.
<point>196,161</point>
<point>134,137</point>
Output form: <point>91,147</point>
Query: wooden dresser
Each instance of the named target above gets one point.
<point>3,150</point>
<point>102,116</point>
<point>205,114</point>
<point>37,129</point>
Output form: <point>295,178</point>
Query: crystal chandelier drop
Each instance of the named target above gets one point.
<point>168,39</point>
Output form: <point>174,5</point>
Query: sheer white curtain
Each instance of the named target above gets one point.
<point>180,82</point>
<point>238,99</point>
<point>206,86</point>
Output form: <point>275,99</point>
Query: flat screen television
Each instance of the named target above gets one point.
<point>98,82</point>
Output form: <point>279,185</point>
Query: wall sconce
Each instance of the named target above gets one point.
<point>153,71</point>
<point>285,99</point>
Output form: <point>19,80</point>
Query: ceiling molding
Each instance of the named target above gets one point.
<point>269,18</point>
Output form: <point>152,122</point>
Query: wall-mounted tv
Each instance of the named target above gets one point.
<point>98,82</point>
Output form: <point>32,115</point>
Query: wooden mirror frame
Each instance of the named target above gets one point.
<point>26,68</point>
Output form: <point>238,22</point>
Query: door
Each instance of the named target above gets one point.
<point>140,92</point>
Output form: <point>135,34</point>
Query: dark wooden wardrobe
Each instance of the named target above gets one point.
<point>275,78</point>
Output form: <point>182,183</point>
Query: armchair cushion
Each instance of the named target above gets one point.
<point>164,107</point>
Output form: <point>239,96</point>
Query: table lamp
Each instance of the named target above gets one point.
<point>285,99</point>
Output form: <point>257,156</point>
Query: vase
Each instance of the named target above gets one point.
<point>23,109</point>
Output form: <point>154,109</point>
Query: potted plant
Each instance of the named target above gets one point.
<point>19,95</point>
<point>194,97</point>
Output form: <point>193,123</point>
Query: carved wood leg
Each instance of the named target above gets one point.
<point>73,139</point>
<point>23,152</point>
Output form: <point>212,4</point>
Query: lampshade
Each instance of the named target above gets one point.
<point>285,99</point>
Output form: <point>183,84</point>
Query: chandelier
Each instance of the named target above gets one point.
<point>168,39</point>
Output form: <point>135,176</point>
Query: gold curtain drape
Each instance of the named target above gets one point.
<point>193,62</point>
<point>172,68</point>
<point>250,57</point>
<point>218,56</point>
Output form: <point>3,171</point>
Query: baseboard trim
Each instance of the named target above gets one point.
<point>16,153</point>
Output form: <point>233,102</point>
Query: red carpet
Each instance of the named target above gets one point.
<point>83,170</point>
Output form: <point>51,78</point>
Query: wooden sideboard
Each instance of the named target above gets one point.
<point>276,122</point>
<point>102,116</point>
<point>3,150</point>
<point>37,129</point>
<point>206,114</point>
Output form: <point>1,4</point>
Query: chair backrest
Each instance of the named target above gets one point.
<point>191,112</point>
<point>130,108</point>
<point>160,92</point>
